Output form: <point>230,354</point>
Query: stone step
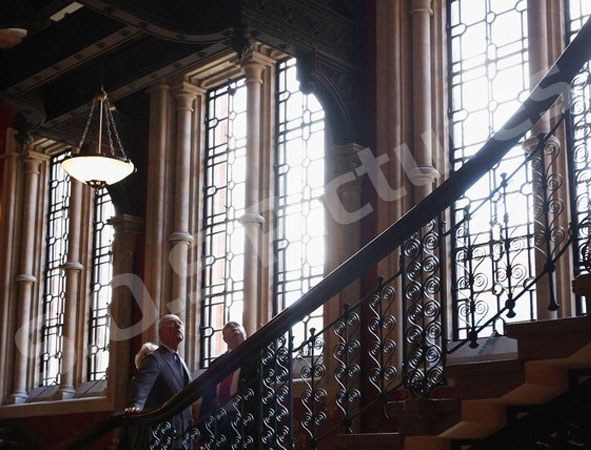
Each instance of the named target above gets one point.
<point>424,416</point>
<point>550,339</point>
<point>533,380</point>
<point>373,441</point>
<point>426,443</point>
<point>473,380</point>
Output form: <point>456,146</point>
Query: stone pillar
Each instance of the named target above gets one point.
<point>537,51</point>
<point>252,220</point>
<point>343,240</point>
<point>425,173</point>
<point>156,194</point>
<point>25,279</point>
<point>72,267</point>
<point>181,239</point>
<point>127,230</point>
<point>7,244</point>
<point>538,65</point>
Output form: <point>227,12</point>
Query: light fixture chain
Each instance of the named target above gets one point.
<point>83,138</point>
<point>109,124</point>
<point>112,120</point>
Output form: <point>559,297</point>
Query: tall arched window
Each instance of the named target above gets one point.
<point>299,239</point>
<point>100,273</point>
<point>297,230</point>
<point>223,202</point>
<point>100,286</point>
<point>53,303</point>
<point>488,79</point>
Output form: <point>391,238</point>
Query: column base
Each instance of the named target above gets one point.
<point>17,398</point>
<point>64,393</point>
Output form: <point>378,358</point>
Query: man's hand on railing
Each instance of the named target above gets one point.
<point>132,410</point>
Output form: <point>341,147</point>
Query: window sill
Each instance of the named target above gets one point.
<point>499,348</point>
<point>56,407</point>
<point>89,397</point>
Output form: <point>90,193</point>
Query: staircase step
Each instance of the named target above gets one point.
<point>426,443</point>
<point>546,339</point>
<point>471,430</point>
<point>424,416</point>
<point>531,394</point>
<point>468,378</point>
<point>547,374</point>
<point>496,391</point>
<point>374,441</point>
<point>490,411</point>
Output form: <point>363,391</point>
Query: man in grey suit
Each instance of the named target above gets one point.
<point>161,375</point>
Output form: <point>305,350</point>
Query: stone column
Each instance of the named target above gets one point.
<point>25,279</point>
<point>252,220</point>
<point>425,173</point>
<point>156,192</point>
<point>72,267</point>
<point>538,65</point>
<point>127,230</point>
<point>181,239</point>
<point>7,244</point>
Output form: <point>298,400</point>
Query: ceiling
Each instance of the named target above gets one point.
<point>53,53</point>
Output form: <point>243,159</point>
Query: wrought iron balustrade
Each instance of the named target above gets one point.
<point>299,392</point>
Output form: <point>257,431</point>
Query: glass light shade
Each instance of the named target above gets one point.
<point>98,170</point>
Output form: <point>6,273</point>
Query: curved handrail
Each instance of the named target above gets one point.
<point>542,97</point>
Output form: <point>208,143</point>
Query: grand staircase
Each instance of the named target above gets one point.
<point>501,400</point>
<point>553,358</point>
<point>382,374</point>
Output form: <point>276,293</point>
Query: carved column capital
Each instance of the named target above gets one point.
<point>158,88</point>
<point>32,161</point>
<point>184,94</point>
<point>254,64</point>
<point>127,228</point>
<point>344,158</point>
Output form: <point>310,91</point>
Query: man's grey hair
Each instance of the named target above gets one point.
<point>167,318</point>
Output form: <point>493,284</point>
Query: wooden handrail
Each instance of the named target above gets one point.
<point>556,82</point>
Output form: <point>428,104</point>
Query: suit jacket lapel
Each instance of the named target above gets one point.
<point>169,358</point>
<point>187,374</point>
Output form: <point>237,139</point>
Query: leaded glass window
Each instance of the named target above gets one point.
<point>299,241</point>
<point>488,79</point>
<point>577,13</point>
<point>100,288</point>
<point>53,301</point>
<point>224,203</point>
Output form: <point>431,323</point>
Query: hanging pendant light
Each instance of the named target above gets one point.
<point>97,163</point>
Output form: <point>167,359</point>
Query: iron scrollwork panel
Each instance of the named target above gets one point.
<point>275,423</point>
<point>422,299</point>
<point>348,371</point>
<point>313,372</point>
<point>382,350</point>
